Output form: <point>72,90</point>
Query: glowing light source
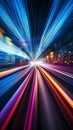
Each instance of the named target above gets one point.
<point>51,54</point>
<point>35,62</point>
<point>1,32</point>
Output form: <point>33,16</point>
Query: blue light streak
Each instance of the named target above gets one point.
<point>7,83</point>
<point>55,29</point>
<point>17,21</point>
<point>13,50</point>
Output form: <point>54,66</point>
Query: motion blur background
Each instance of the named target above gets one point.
<point>36,64</point>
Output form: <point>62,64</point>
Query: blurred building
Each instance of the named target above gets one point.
<point>63,56</point>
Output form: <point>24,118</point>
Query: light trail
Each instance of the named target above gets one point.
<point>11,80</point>
<point>34,101</point>
<point>37,95</point>
<point>19,27</point>
<point>64,101</point>
<point>61,74</point>
<point>13,50</point>
<point>66,97</point>
<point>9,109</point>
<point>7,72</point>
<point>50,33</point>
<point>49,67</point>
<point>46,105</point>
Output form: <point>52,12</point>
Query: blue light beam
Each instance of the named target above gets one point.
<point>51,32</point>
